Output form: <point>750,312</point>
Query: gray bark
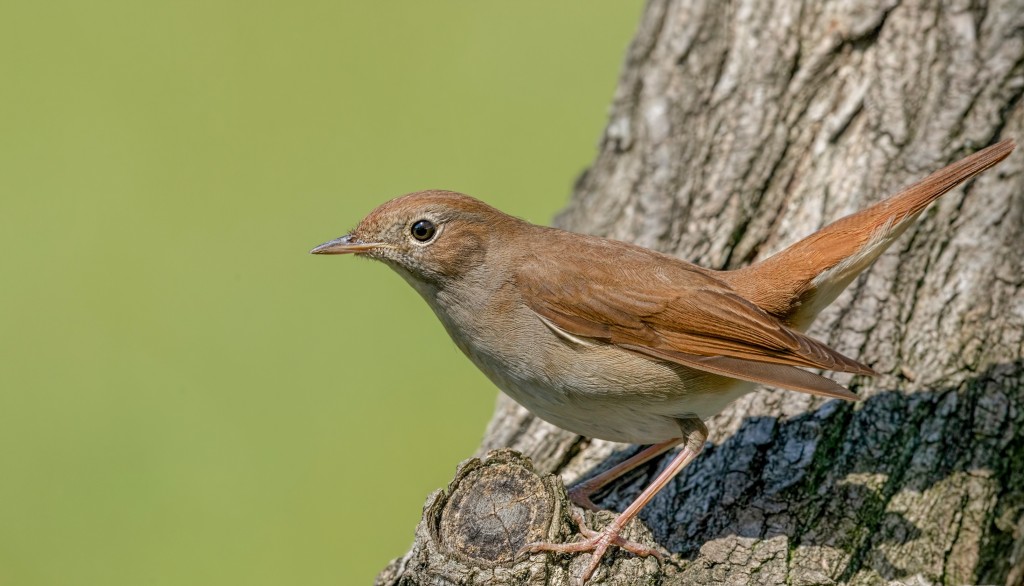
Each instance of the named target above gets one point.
<point>737,128</point>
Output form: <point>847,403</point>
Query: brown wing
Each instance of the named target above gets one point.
<point>680,313</point>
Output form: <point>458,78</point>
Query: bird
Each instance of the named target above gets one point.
<point>614,341</point>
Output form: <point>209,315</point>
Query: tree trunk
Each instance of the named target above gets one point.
<point>737,128</point>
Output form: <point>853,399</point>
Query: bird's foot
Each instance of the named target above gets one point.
<point>596,542</point>
<point>580,496</point>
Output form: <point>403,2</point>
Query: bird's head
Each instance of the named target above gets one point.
<point>431,237</point>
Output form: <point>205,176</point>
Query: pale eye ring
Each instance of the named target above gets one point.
<point>423,230</point>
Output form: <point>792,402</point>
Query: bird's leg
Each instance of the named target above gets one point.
<point>598,542</point>
<point>580,493</point>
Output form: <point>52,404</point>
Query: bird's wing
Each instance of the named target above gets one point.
<point>680,313</point>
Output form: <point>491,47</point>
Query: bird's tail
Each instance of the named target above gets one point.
<point>803,279</point>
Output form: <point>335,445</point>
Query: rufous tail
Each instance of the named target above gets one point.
<point>803,279</point>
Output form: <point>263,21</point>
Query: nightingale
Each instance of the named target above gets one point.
<point>613,341</point>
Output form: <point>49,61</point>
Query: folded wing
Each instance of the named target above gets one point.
<point>682,314</point>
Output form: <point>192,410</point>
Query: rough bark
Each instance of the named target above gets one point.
<point>739,127</point>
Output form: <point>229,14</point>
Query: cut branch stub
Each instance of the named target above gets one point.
<point>494,508</point>
<point>472,532</point>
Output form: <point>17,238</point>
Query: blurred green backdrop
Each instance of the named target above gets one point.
<point>186,396</point>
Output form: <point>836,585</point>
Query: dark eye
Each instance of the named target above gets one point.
<point>423,230</point>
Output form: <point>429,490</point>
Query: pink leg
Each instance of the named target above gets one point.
<point>599,542</point>
<point>580,494</point>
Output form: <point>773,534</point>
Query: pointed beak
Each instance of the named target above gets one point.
<point>344,245</point>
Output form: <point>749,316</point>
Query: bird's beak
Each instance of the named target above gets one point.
<point>344,245</point>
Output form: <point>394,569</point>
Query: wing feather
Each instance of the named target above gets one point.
<point>776,375</point>
<point>682,314</point>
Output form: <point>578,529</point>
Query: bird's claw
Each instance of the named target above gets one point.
<point>580,496</point>
<point>596,542</point>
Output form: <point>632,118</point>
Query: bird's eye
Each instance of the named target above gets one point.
<point>423,230</point>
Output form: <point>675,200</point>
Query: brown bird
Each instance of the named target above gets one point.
<point>613,341</point>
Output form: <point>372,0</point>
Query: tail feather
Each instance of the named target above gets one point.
<point>803,279</point>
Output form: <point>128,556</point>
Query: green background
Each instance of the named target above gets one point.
<point>186,396</point>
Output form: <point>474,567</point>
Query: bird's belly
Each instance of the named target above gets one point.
<point>605,392</point>
<point>586,387</point>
